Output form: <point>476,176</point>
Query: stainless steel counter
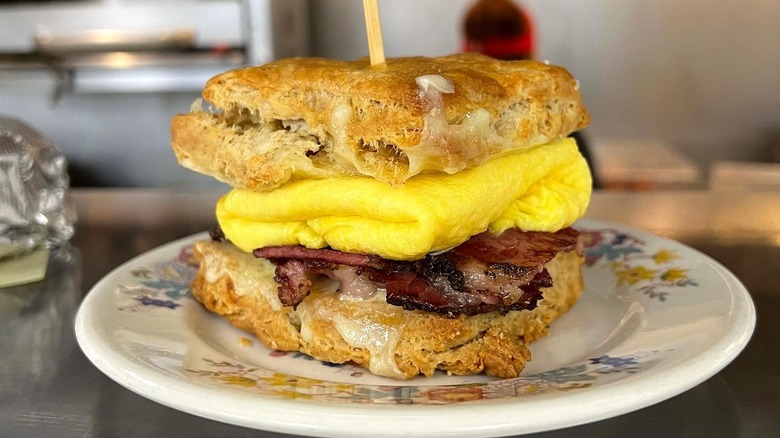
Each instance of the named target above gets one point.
<point>49,389</point>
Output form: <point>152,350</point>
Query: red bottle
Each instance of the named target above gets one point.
<point>499,29</point>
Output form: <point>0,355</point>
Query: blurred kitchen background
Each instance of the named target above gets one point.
<point>683,94</point>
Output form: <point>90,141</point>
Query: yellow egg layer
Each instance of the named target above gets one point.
<point>545,188</point>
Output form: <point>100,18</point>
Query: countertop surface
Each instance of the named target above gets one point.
<point>48,388</point>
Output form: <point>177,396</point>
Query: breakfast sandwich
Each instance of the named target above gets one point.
<point>407,217</point>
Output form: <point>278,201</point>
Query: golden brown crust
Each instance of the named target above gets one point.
<point>352,118</point>
<point>330,328</point>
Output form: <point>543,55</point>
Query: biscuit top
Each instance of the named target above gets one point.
<point>390,121</point>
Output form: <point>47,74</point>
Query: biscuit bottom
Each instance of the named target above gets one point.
<point>386,339</point>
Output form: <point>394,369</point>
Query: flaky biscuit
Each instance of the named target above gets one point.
<point>319,118</point>
<point>403,343</point>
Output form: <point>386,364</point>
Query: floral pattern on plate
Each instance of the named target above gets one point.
<point>653,274</point>
<point>162,285</point>
<point>568,378</point>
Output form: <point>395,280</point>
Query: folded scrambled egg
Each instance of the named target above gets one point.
<point>545,188</point>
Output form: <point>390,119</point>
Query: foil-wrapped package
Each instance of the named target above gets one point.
<point>35,209</point>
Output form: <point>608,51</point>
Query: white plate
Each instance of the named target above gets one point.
<point>656,318</point>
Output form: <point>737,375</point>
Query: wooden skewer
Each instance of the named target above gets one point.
<point>376,50</point>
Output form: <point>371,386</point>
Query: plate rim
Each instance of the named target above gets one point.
<point>349,420</point>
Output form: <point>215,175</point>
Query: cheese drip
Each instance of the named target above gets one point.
<point>545,188</point>
<point>257,275</point>
<point>365,323</point>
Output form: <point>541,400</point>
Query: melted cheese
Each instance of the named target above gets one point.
<point>379,339</point>
<point>257,275</point>
<point>545,188</point>
<point>339,120</point>
<point>434,151</point>
<point>435,82</point>
<point>363,323</point>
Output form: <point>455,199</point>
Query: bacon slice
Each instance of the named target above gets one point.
<point>486,273</point>
<point>417,294</point>
<point>294,283</point>
<point>301,252</point>
<point>454,284</point>
<point>523,248</point>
